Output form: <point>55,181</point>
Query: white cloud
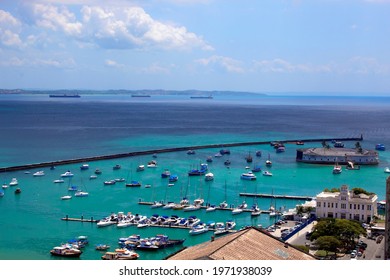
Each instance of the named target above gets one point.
<point>10,28</point>
<point>132,27</point>
<point>116,27</point>
<point>113,63</point>
<point>56,19</point>
<point>226,63</point>
<point>279,65</point>
<point>67,63</point>
<point>156,68</point>
<point>354,65</point>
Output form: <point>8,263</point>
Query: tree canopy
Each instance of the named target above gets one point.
<point>345,231</point>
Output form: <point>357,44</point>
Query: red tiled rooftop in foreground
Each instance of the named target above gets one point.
<point>247,244</point>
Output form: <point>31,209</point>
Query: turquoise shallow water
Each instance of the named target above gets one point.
<point>33,217</point>
<point>42,131</point>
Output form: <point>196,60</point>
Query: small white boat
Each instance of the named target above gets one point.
<point>58,181</point>
<point>255,211</point>
<point>210,208</point>
<point>66,197</point>
<point>39,173</point>
<point>67,174</point>
<point>141,167</point>
<point>169,205</point>
<point>152,164</point>
<point>267,173</point>
<point>248,176</point>
<point>223,204</point>
<point>148,186</point>
<point>387,170</point>
<point>236,211</point>
<point>92,177</point>
<point>198,229</point>
<point>209,176</point>
<point>84,167</point>
<point>14,182</point>
<point>230,225</point>
<point>337,169</point>
<point>107,221</point>
<point>5,186</point>
<point>81,194</point>
<point>156,204</point>
<point>191,208</point>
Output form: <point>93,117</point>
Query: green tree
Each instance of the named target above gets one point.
<point>345,231</point>
<point>328,244</point>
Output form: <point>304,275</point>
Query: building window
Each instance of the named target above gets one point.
<point>324,204</point>
<point>369,207</point>
<point>332,204</point>
<point>358,206</point>
<point>350,216</point>
<point>362,217</point>
<point>328,204</point>
<point>362,206</point>
<point>350,206</point>
<point>318,204</point>
<point>342,216</point>
<point>354,206</point>
<point>336,205</point>
<point>343,206</point>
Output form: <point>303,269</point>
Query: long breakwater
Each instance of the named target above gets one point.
<point>165,150</point>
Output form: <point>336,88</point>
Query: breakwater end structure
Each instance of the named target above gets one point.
<point>166,150</point>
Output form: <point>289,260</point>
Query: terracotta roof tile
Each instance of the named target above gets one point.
<point>248,244</point>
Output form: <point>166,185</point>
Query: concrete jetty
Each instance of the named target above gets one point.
<point>263,195</point>
<point>166,150</point>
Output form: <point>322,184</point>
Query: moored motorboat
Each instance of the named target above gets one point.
<point>67,174</point>
<point>337,169</point>
<point>267,173</point>
<point>387,170</point>
<point>66,251</point>
<point>66,197</point>
<point>120,254</point>
<point>116,167</point>
<point>140,168</point>
<point>102,247</point>
<point>14,182</point>
<point>18,190</point>
<point>209,176</point>
<point>107,221</point>
<point>380,147</point>
<point>248,176</point>
<point>81,194</point>
<point>58,181</point>
<point>109,182</point>
<point>133,184</point>
<point>173,178</point>
<point>84,167</point>
<point>39,173</point>
<point>198,229</point>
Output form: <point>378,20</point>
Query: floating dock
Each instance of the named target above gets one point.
<point>167,150</point>
<point>204,207</point>
<point>91,220</point>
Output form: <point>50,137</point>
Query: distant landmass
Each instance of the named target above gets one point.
<point>144,92</point>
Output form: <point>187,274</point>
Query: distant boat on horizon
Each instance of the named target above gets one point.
<point>65,95</point>
<point>201,97</point>
<point>140,95</point>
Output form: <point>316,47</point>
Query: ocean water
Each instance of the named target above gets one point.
<point>39,129</point>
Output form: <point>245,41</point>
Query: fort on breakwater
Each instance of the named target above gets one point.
<point>166,150</point>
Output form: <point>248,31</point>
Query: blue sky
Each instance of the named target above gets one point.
<point>268,46</point>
